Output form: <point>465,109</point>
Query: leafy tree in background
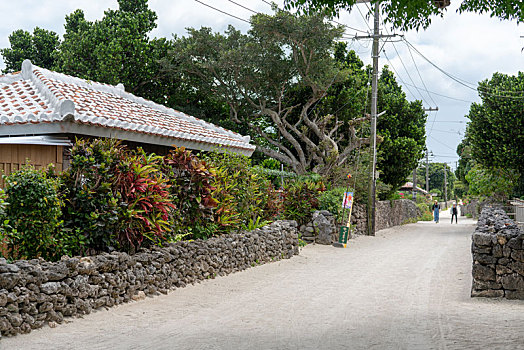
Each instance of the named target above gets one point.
<point>117,49</point>
<point>403,133</point>
<point>495,134</point>
<point>41,48</point>
<point>436,177</point>
<point>494,182</point>
<point>415,14</point>
<point>465,162</point>
<point>257,73</point>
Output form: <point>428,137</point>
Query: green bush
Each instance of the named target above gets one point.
<point>301,199</point>
<point>425,212</point>
<point>192,193</point>
<point>331,200</point>
<point>242,193</point>
<point>92,204</point>
<point>34,216</point>
<point>394,196</point>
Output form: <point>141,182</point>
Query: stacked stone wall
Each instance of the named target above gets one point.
<point>323,229</point>
<point>498,256</point>
<point>36,292</point>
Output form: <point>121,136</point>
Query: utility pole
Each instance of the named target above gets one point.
<point>427,170</point>
<point>415,184</point>
<point>446,185</point>
<point>374,97</point>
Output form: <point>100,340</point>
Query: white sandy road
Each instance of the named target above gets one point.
<point>407,288</point>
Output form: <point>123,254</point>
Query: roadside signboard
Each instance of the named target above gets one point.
<point>347,203</point>
<point>348,200</point>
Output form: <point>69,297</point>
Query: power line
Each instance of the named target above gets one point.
<point>442,143</point>
<point>448,132</point>
<point>405,68</point>
<point>224,12</point>
<point>445,96</point>
<point>420,76</point>
<point>398,75</point>
<point>245,8</point>
<point>446,156</point>
<point>331,20</point>
<point>349,27</point>
<point>364,18</point>
<point>409,75</point>
<point>462,82</point>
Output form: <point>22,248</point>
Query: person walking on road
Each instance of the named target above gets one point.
<point>436,209</point>
<point>454,212</point>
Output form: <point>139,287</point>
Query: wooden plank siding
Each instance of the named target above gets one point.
<point>12,157</point>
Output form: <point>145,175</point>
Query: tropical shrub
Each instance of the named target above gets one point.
<point>34,216</point>
<point>191,192</point>
<point>301,199</point>
<point>425,212</point>
<point>331,200</point>
<point>92,204</point>
<point>242,193</point>
<point>146,206</point>
<point>492,182</point>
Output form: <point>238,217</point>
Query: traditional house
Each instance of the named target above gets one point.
<point>42,112</point>
<point>408,186</point>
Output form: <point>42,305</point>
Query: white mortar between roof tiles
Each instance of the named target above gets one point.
<point>127,111</point>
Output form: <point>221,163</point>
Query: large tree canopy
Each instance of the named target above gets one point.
<point>416,14</point>
<point>41,48</point>
<point>288,82</point>
<point>116,49</point>
<point>402,129</point>
<point>496,130</point>
<point>259,75</point>
<point>302,95</point>
<point>494,143</point>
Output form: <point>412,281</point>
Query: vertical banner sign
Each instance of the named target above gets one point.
<point>347,203</point>
<point>348,200</point>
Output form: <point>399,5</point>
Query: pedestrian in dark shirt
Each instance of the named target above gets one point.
<point>436,209</point>
<point>454,212</point>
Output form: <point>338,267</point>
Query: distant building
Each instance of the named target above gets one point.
<point>408,186</point>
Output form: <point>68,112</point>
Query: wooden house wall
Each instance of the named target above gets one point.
<point>12,157</point>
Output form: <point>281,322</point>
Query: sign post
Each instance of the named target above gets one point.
<point>347,203</point>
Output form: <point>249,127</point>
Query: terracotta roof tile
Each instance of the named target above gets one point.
<point>40,91</point>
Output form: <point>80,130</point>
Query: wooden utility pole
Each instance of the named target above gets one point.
<point>427,170</point>
<point>374,98</point>
<point>374,114</point>
<point>445,185</point>
<point>415,184</point>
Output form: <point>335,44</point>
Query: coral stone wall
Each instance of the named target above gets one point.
<point>388,214</point>
<point>498,256</point>
<point>322,228</point>
<point>35,292</point>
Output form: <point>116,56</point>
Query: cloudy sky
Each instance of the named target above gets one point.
<point>468,46</point>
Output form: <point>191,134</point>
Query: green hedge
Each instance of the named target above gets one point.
<point>113,198</point>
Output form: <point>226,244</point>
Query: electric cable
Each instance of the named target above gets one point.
<point>466,84</point>
<point>224,12</point>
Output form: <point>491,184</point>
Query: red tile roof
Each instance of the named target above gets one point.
<point>38,95</point>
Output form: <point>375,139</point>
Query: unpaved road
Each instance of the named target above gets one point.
<point>407,288</point>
